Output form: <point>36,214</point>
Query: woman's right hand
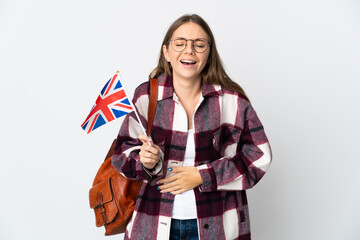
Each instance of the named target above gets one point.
<point>149,152</point>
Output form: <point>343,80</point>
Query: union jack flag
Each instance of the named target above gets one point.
<point>112,103</point>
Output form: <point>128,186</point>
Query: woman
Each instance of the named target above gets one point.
<point>207,144</point>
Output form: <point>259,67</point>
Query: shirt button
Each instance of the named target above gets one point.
<point>206,226</point>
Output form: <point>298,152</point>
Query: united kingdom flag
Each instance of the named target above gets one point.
<point>112,103</point>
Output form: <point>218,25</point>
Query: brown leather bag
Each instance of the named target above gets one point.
<point>113,196</point>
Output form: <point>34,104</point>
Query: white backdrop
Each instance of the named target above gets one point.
<point>298,61</point>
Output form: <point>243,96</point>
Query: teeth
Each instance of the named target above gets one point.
<point>187,61</point>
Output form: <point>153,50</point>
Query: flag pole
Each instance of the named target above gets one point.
<point>132,105</point>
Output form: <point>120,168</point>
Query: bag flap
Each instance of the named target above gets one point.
<point>101,193</point>
<point>103,202</point>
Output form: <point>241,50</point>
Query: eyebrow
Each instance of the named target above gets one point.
<point>192,39</point>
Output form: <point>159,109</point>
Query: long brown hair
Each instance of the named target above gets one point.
<point>213,72</point>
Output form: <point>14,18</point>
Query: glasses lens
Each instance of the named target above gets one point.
<point>178,44</point>
<point>200,45</point>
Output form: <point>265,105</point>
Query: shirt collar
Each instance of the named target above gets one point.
<point>166,88</point>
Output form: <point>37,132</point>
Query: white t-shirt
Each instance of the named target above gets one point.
<point>185,204</point>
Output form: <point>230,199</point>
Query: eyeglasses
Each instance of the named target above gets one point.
<point>200,45</point>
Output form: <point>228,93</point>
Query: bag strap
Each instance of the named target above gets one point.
<point>152,103</point>
<point>151,113</point>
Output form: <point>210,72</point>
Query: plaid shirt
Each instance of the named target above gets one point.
<point>232,154</point>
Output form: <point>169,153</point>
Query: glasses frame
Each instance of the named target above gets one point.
<point>193,43</point>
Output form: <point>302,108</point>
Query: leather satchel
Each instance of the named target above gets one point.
<point>113,196</point>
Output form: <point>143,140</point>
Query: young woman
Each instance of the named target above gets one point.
<point>206,148</point>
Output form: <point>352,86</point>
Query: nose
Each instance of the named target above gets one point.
<point>189,46</point>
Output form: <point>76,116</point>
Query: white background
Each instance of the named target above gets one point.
<point>298,61</point>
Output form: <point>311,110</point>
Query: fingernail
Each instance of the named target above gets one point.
<point>169,169</point>
<point>157,188</point>
<point>170,193</point>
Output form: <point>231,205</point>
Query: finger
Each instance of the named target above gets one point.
<point>145,139</point>
<point>145,148</point>
<point>167,188</point>
<point>178,191</point>
<point>146,160</point>
<point>177,169</point>
<point>147,154</point>
<point>153,150</point>
<point>168,179</point>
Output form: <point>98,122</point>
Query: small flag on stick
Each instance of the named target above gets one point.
<point>112,103</point>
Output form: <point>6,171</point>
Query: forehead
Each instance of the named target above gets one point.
<point>190,30</point>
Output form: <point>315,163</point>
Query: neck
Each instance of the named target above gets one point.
<point>187,89</point>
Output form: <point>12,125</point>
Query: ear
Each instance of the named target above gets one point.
<point>166,53</point>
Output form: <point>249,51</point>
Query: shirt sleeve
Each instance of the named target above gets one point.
<point>245,161</point>
<point>126,158</point>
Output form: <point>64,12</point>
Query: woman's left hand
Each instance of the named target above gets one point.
<point>184,179</point>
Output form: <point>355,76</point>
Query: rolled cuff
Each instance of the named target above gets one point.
<point>208,177</point>
<point>157,170</point>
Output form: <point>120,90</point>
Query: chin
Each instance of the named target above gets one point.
<point>191,77</point>
<point>188,75</point>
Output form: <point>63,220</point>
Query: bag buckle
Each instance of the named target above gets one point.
<point>100,205</point>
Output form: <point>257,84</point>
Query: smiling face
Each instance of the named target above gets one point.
<point>188,64</point>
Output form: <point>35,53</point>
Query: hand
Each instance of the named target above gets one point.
<point>149,152</point>
<point>184,179</point>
